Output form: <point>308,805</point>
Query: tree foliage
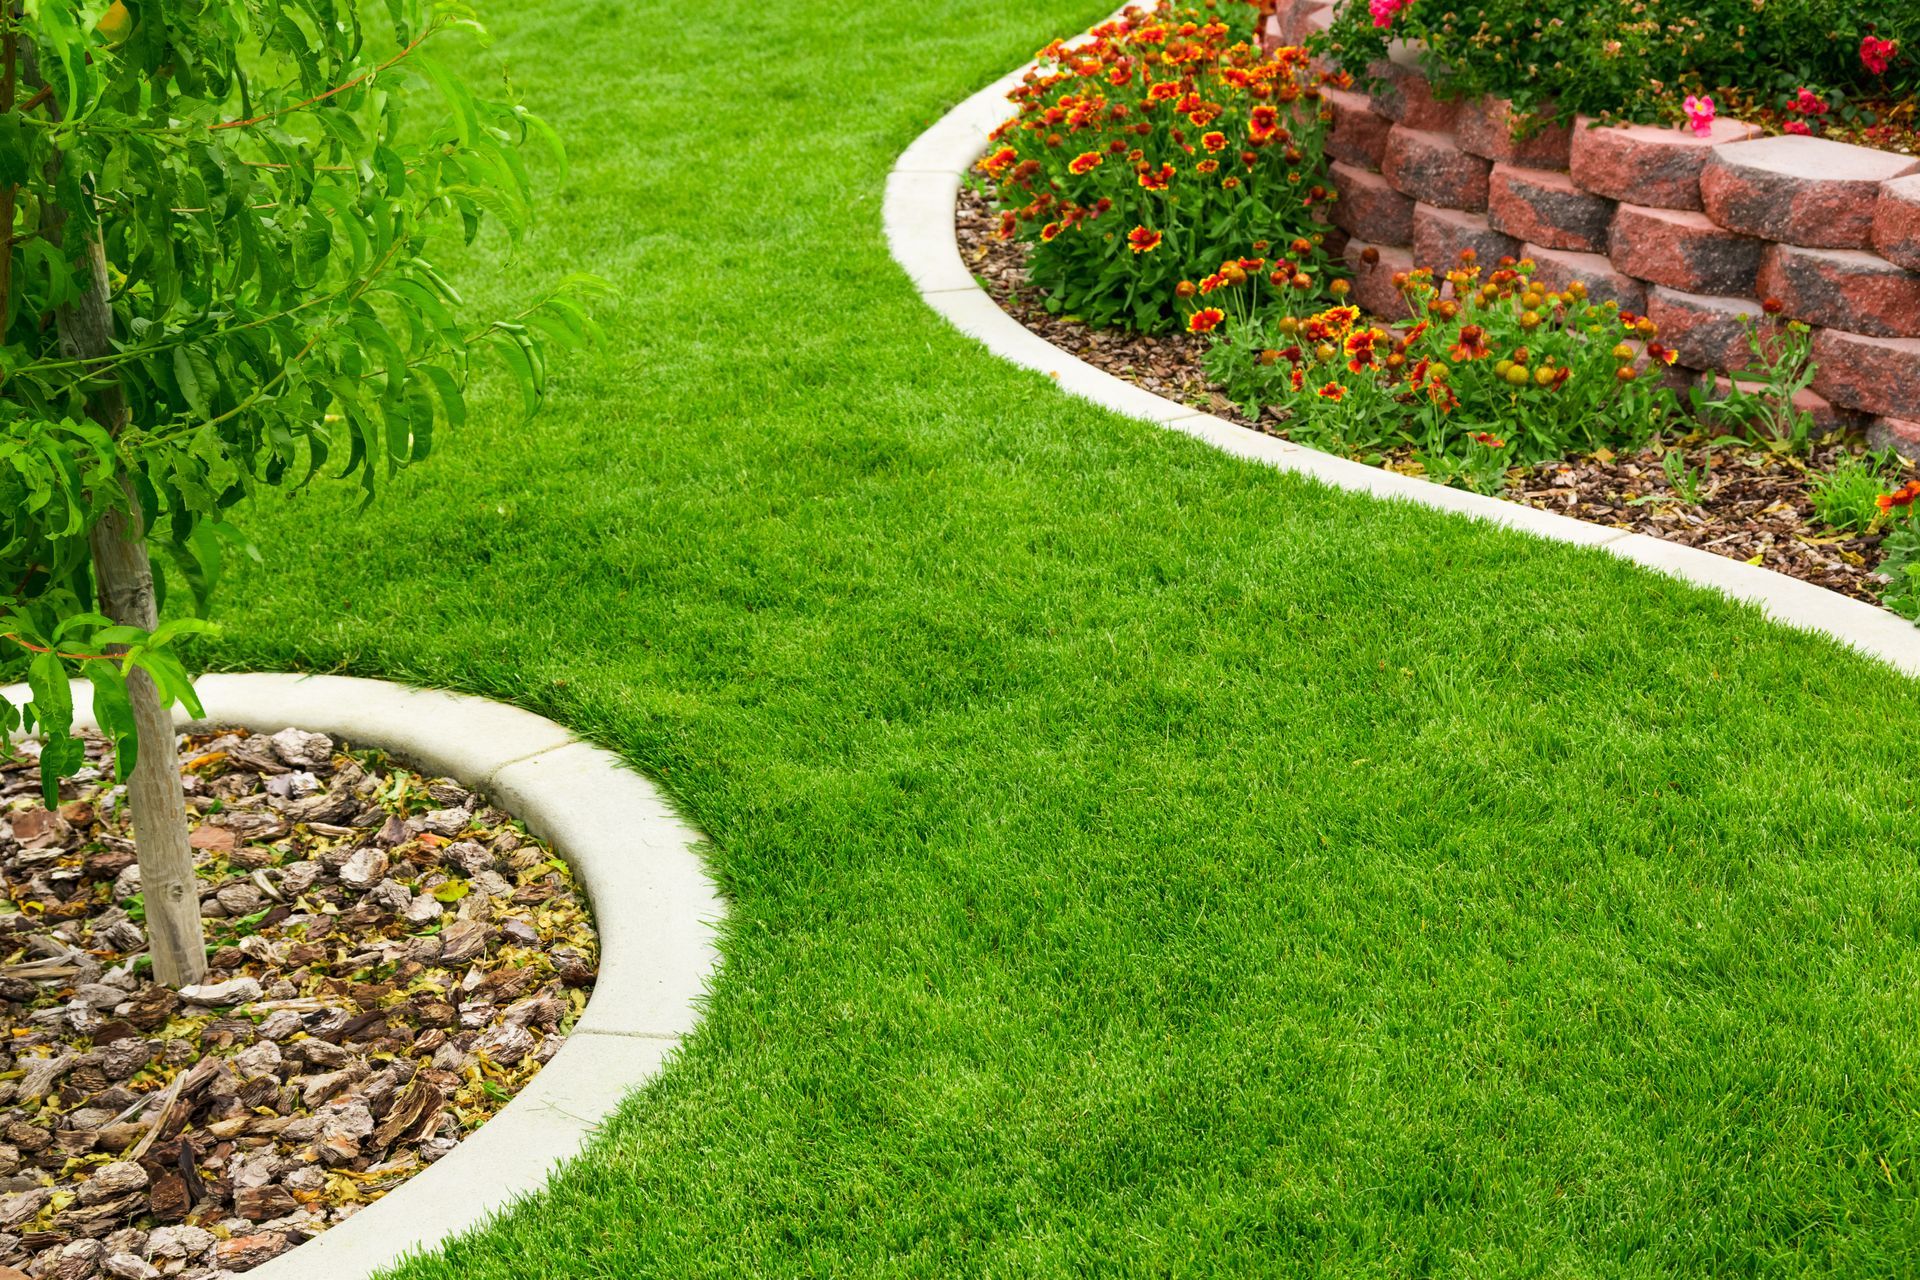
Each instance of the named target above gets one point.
<point>266,181</point>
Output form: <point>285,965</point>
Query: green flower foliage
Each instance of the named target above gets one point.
<point>265,180</point>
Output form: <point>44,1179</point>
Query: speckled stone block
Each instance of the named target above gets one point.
<point>1369,208</point>
<point>1405,95</point>
<point>1805,191</point>
<point>1876,375</point>
<point>1682,249</point>
<point>1433,169</point>
<point>1546,208</point>
<point>1847,289</point>
<point>1441,235</point>
<point>1359,133</point>
<point>1489,128</point>
<point>1896,222</point>
<point>1708,332</point>
<point>1649,166</point>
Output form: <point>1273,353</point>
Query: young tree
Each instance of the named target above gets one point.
<point>216,225</point>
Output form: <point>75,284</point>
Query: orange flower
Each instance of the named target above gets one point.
<point>1490,441</point>
<point>1142,240</point>
<point>1298,379</point>
<point>1471,346</point>
<point>1086,162</point>
<point>1904,496</point>
<point>1264,122</point>
<point>1205,320</point>
<point>1215,281</point>
<point>1208,166</point>
<point>1156,179</point>
<point>996,164</point>
<point>1214,141</point>
<point>1662,354</point>
<point>1165,91</point>
<point>1049,231</point>
<point>1332,391</point>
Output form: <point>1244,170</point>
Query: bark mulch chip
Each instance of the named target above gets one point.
<point>1754,503</point>
<point>391,960</point>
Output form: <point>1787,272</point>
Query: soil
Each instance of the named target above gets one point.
<point>391,959</point>
<point>1754,504</point>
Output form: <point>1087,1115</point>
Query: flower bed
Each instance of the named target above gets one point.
<point>1144,154</point>
<point>1694,228</point>
<point>1520,293</point>
<point>393,959</point>
<point>1750,502</point>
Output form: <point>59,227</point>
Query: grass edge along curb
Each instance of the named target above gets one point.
<point>919,222</point>
<point>656,913</point>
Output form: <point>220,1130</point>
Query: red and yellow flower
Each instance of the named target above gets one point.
<point>1205,320</point>
<point>1156,179</point>
<point>1903,497</point>
<point>998,162</point>
<point>1144,239</point>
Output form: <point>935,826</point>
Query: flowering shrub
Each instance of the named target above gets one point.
<point>1497,370</point>
<point>1151,151</point>
<point>1638,58</point>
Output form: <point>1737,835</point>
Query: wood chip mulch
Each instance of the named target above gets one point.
<point>392,959</point>
<point>1755,505</point>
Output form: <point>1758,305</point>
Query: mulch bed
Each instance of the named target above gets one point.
<point>1755,507</point>
<point>1896,125</point>
<point>393,958</point>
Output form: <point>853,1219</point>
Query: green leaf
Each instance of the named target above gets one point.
<point>114,712</point>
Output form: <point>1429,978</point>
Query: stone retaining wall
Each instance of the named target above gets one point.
<point>1689,231</point>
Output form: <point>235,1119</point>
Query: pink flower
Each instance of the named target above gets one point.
<point>1699,115</point>
<point>1808,103</point>
<point>1877,54</point>
<point>1384,10</point>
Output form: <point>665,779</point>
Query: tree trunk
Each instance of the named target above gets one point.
<point>123,583</point>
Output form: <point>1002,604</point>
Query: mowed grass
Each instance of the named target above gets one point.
<point>1140,863</point>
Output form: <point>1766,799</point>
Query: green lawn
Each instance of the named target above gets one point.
<point>1141,863</point>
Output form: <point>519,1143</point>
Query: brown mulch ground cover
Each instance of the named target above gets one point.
<point>1895,127</point>
<point>1754,504</point>
<point>392,959</point>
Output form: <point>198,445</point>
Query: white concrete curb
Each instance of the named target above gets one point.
<point>654,907</point>
<point>919,220</point>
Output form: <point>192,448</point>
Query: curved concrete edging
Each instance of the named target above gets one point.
<point>919,221</point>
<point>654,907</point>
